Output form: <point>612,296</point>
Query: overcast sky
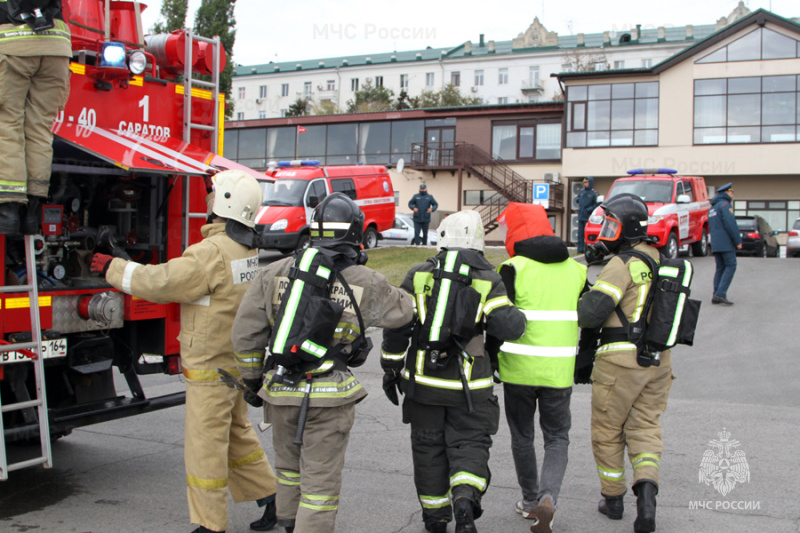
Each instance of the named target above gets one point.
<point>310,29</point>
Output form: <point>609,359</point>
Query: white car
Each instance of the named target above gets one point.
<point>402,232</point>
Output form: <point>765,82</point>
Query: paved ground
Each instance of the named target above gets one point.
<point>742,375</point>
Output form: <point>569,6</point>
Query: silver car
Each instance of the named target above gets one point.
<point>793,241</point>
<point>402,231</point>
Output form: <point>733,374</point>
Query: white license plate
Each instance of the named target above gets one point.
<point>50,349</point>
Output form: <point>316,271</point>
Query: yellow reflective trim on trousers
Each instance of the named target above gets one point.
<point>207,375</point>
<point>465,478</point>
<point>646,459</point>
<point>447,384</point>
<point>288,477</point>
<point>392,356</point>
<point>207,484</point>
<point>320,389</point>
<point>611,474</point>
<point>326,503</point>
<point>616,347</point>
<point>434,502</point>
<point>247,459</point>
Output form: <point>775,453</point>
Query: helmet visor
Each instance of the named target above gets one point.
<point>611,229</point>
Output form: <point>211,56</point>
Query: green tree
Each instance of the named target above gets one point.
<point>448,97</point>
<point>299,109</point>
<point>404,101</point>
<point>173,16</point>
<point>215,18</point>
<point>326,107</point>
<point>371,98</point>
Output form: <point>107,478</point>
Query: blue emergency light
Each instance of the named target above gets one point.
<point>299,163</point>
<point>113,55</point>
<point>636,171</point>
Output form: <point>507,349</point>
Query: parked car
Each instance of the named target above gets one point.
<point>793,240</point>
<point>403,231</point>
<point>758,239</point>
<point>677,205</point>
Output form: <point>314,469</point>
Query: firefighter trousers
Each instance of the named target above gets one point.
<point>222,453</point>
<point>310,475</point>
<point>450,448</point>
<point>626,406</point>
<point>32,91</point>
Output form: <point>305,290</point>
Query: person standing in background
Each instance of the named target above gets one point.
<point>423,204</point>
<point>587,202</point>
<point>725,240</point>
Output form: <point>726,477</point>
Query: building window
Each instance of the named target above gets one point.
<point>619,64</point>
<point>284,89</point>
<point>331,85</point>
<point>647,63</point>
<point>262,91</point>
<point>404,81</point>
<point>242,93</point>
<point>262,114</point>
<point>240,116</point>
<point>455,79</point>
<point>619,114</point>
<point>747,110</point>
<point>284,112</point>
<point>502,76</point>
<point>566,67</point>
<point>599,65</point>
<point>759,44</point>
<point>533,76</point>
<point>478,197</point>
<point>502,99</point>
<point>354,84</point>
<point>378,81</point>
<point>430,79</point>
<point>779,214</point>
<point>521,140</point>
<point>307,88</point>
<point>478,78</point>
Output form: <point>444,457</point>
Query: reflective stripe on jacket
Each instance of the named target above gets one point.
<point>548,295</point>
<point>24,42</point>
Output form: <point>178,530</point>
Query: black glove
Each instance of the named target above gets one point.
<point>391,386</point>
<point>583,376</point>
<point>251,394</point>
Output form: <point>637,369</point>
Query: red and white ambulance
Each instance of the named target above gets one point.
<point>300,186</point>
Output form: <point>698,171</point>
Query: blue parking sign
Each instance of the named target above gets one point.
<point>541,191</point>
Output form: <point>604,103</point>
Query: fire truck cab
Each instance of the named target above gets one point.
<point>132,149</point>
<point>300,186</point>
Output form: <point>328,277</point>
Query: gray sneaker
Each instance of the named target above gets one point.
<point>525,508</point>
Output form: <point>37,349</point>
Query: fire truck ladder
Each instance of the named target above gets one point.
<point>34,350</point>
<point>188,125</point>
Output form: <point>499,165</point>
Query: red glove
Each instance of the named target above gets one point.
<point>100,263</point>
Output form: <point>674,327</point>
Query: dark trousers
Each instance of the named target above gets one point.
<point>555,421</point>
<point>726,267</point>
<point>581,239</point>
<point>450,448</point>
<point>420,233</point>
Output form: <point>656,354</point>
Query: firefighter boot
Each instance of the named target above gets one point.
<point>202,529</point>
<point>436,527</point>
<point>31,216</point>
<point>645,491</point>
<point>465,520</point>
<point>612,506</point>
<point>9,218</point>
<point>268,521</point>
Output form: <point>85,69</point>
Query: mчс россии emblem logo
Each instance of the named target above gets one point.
<point>724,465</point>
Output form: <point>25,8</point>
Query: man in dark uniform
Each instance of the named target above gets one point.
<point>587,202</point>
<point>451,428</point>
<point>423,204</point>
<point>629,390</point>
<point>725,240</point>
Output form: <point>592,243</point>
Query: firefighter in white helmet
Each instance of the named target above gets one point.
<point>445,375</point>
<point>222,451</point>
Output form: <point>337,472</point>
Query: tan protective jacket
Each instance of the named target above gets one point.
<point>208,280</point>
<point>381,304</point>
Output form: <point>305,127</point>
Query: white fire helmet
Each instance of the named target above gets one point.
<point>461,230</point>
<point>237,196</point>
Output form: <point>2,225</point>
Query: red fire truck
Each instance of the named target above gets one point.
<point>131,151</point>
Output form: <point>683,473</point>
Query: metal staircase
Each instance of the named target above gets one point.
<point>509,186</point>
<point>33,350</point>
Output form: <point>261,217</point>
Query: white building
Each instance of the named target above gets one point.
<point>498,72</point>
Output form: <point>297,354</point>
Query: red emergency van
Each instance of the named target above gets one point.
<point>300,186</point>
<point>677,205</point>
